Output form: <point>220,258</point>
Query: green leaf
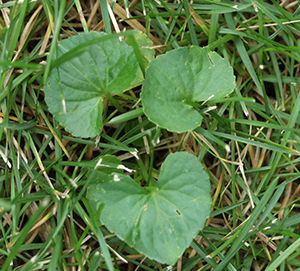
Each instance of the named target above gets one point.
<point>161,221</point>
<point>178,79</point>
<point>75,90</point>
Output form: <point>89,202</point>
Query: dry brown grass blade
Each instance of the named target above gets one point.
<point>266,240</point>
<point>223,160</point>
<point>58,140</point>
<point>5,14</point>
<point>288,193</point>
<point>268,25</point>
<point>43,227</point>
<point>241,167</point>
<point>23,38</point>
<point>27,30</point>
<point>45,40</point>
<point>199,21</point>
<point>295,194</point>
<point>16,144</point>
<point>93,13</point>
<point>113,19</point>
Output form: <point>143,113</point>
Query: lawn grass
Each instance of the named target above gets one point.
<point>249,145</point>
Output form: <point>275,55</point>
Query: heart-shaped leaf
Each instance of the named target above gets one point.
<point>161,221</point>
<point>180,78</point>
<point>75,90</point>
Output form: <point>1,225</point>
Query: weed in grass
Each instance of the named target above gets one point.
<point>250,150</point>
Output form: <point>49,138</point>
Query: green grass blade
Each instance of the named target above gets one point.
<point>105,16</point>
<point>248,225</point>
<point>54,39</point>
<point>23,235</point>
<point>127,116</point>
<point>284,255</point>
